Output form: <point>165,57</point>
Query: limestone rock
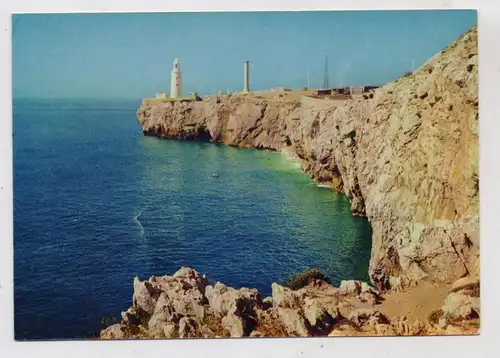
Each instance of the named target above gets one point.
<point>351,287</point>
<point>187,273</point>
<point>319,318</point>
<point>256,334</point>
<point>115,331</point>
<point>403,327</point>
<point>459,306</point>
<point>369,298</point>
<point>367,316</point>
<point>188,328</point>
<point>267,302</point>
<point>223,299</point>
<point>343,331</point>
<point>385,330</point>
<point>184,292</point>
<point>317,308</point>
<point>207,332</point>
<point>169,330</point>
<point>368,294</point>
<point>131,316</point>
<point>455,330</point>
<point>284,297</point>
<point>294,323</point>
<point>161,316</point>
<point>234,325</point>
<point>366,288</point>
<point>144,296</point>
<point>175,317</point>
<point>465,283</point>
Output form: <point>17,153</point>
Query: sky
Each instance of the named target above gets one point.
<point>130,55</point>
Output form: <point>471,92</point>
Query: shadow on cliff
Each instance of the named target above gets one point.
<point>200,133</point>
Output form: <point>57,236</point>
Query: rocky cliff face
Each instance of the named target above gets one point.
<point>406,156</point>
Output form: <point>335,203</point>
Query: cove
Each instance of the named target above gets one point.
<point>97,203</point>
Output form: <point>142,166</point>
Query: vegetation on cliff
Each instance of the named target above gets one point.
<point>304,278</point>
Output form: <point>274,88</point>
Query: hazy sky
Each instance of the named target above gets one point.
<point>131,55</point>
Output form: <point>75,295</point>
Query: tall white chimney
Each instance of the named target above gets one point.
<point>246,79</point>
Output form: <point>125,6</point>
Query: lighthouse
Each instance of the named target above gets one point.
<point>176,80</point>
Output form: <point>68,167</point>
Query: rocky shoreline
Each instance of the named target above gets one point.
<point>184,305</point>
<point>407,159</point>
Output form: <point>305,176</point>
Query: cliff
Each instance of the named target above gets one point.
<point>406,157</point>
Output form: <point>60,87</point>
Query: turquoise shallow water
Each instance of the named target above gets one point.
<point>96,203</point>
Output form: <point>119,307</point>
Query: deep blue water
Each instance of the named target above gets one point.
<point>96,203</point>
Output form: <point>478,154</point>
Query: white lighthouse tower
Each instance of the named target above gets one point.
<point>176,80</point>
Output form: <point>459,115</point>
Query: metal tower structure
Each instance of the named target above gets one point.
<point>325,81</point>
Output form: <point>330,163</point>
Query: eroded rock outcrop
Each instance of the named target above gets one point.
<point>406,157</point>
<point>318,309</point>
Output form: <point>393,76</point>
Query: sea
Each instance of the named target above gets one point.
<point>96,203</point>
